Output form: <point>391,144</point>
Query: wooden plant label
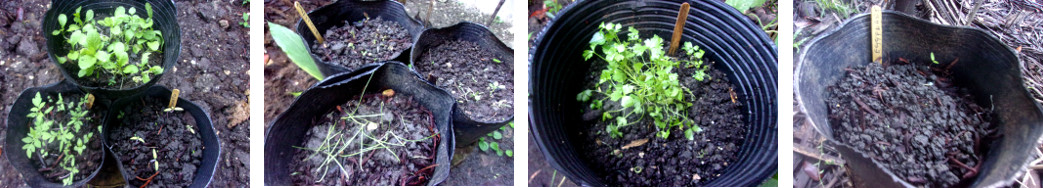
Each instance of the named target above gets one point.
<point>307,21</point>
<point>877,33</point>
<point>682,17</point>
<point>173,98</point>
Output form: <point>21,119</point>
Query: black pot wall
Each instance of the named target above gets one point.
<point>986,67</point>
<point>164,14</point>
<point>203,126</point>
<point>288,130</point>
<point>736,45</point>
<point>335,15</point>
<point>17,128</point>
<point>467,129</point>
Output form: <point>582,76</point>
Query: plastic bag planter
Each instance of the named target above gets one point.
<point>165,20</point>
<point>986,67</point>
<point>203,126</point>
<point>334,15</point>
<point>739,48</point>
<point>467,129</point>
<point>18,127</point>
<point>289,128</point>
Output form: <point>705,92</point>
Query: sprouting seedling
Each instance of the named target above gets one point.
<point>495,86</point>
<point>172,107</point>
<point>48,128</point>
<point>139,139</point>
<point>155,159</point>
<point>246,20</point>
<point>189,127</point>
<point>932,58</point>
<point>496,60</point>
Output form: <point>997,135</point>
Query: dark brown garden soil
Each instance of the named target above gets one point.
<point>398,120</point>
<point>177,147</point>
<point>469,73</point>
<point>675,161</point>
<point>105,79</point>
<point>86,162</point>
<point>912,120</point>
<point>363,42</point>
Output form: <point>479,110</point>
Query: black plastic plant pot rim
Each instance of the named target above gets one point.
<point>335,15</point>
<point>17,128</point>
<point>468,129</point>
<point>288,130</point>
<point>987,68</point>
<point>737,46</point>
<point>164,16</point>
<point>203,126</point>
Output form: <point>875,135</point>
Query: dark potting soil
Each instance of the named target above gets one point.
<point>675,161</point>
<point>483,88</point>
<point>86,162</point>
<point>406,127</point>
<point>912,120</point>
<point>177,147</point>
<point>363,42</point>
<point>108,80</point>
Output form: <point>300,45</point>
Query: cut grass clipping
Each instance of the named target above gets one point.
<point>293,46</point>
<point>640,77</point>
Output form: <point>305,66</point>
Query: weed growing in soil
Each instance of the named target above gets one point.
<point>107,45</point>
<point>490,145</point>
<point>246,20</point>
<point>48,128</point>
<point>640,77</point>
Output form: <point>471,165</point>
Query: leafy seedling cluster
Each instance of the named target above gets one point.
<point>55,122</point>
<point>641,78</point>
<point>106,46</point>
<point>490,145</point>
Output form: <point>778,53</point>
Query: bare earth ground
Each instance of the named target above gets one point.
<point>282,77</point>
<point>1017,25</point>
<point>211,72</point>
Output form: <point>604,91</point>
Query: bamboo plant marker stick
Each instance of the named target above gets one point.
<point>173,98</point>
<point>307,21</point>
<point>877,33</point>
<point>682,17</point>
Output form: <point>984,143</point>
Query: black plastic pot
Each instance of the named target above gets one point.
<point>289,128</point>
<point>987,68</point>
<point>335,15</point>
<point>165,18</point>
<point>18,127</point>
<point>467,129</point>
<point>203,126</point>
<point>739,47</point>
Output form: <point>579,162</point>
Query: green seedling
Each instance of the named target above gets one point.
<point>246,20</point>
<point>190,129</point>
<point>496,86</point>
<point>640,78</point>
<point>139,139</point>
<point>53,122</point>
<point>293,46</point>
<point>496,60</point>
<point>105,46</point>
<point>553,7</point>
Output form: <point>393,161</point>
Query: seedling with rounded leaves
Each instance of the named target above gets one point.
<point>106,46</point>
<point>641,79</point>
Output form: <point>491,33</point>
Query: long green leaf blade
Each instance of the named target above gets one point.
<point>293,46</point>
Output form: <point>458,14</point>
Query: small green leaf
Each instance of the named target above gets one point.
<point>497,135</point>
<point>510,153</point>
<point>154,45</point>
<point>689,134</point>
<point>130,69</point>
<point>484,146</point>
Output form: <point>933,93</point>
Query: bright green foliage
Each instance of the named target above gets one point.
<point>640,77</point>
<point>246,20</point>
<point>105,46</point>
<point>553,7</point>
<point>48,129</point>
<point>293,46</point>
